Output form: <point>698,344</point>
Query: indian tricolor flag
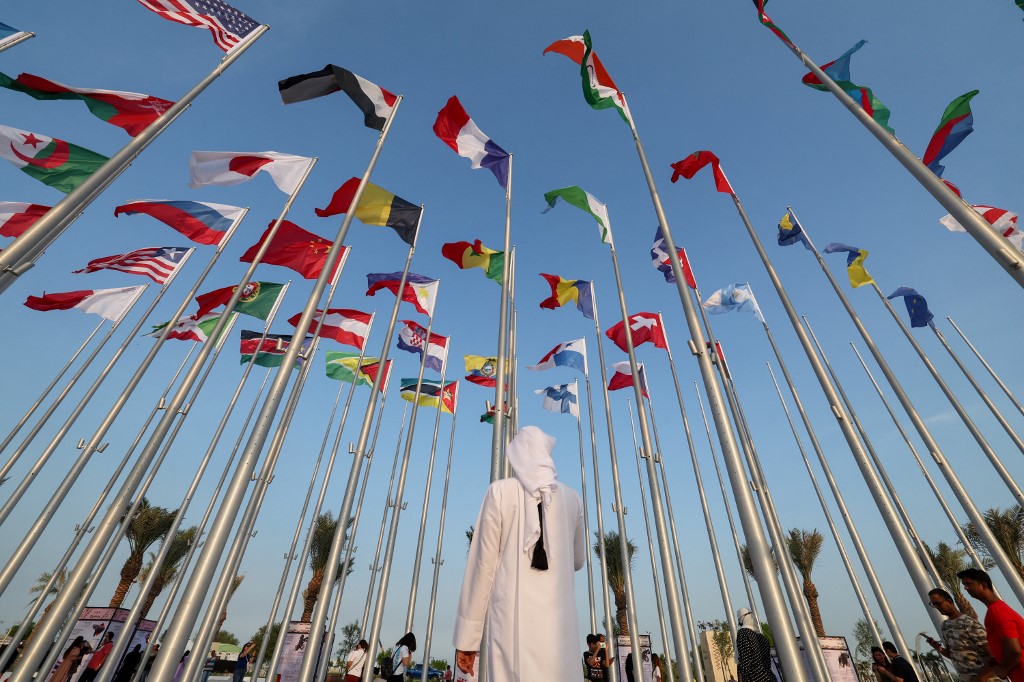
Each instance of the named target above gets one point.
<point>16,217</point>
<point>110,304</point>
<point>224,169</point>
<point>59,164</point>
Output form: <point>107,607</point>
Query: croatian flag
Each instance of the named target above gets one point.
<point>16,217</point>
<point>569,354</point>
<point>224,169</point>
<point>412,338</point>
<point>203,223</point>
<point>661,261</point>
<point>457,130</point>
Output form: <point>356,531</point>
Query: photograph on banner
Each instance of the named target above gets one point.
<point>839,659</point>
<point>624,651</point>
<point>294,649</point>
<point>92,625</point>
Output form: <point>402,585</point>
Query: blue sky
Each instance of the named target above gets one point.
<point>698,76</point>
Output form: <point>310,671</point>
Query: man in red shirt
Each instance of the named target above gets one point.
<point>92,668</point>
<point>1003,626</point>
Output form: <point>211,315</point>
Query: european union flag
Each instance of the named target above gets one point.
<point>917,307</point>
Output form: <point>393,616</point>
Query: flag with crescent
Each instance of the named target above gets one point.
<point>59,164</point>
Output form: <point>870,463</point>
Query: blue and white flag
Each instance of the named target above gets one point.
<point>561,399</point>
<point>569,354</point>
<point>413,337</point>
<point>738,297</point>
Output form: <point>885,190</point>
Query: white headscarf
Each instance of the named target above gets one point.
<point>747,619</point>
<point>530,456</point>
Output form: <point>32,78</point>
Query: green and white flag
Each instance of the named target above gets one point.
<point>598,88</point>
<point>59,164</point>
<point>587,203</point>
<point>190,328</point>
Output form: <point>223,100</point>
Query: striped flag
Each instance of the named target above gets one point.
<point>228,26</point>
<point>17,216</point>
<point>156,262</point>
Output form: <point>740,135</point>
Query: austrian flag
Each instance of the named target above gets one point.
<point>344,325</point>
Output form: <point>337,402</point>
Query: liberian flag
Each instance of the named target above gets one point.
<point>1002,221</point>
<point>203,223</point>
<point>457,130</point>
<point>412,338</point>
<point>129,111</point>
<point>661,261</point>
<point>59,164</point>
<point>344,325</point>
<point>689,166</point>
<point>16,217</point>
<point>189,328</point>
<point>569,354</point>
<point>623,377</point>
<point>157,263</point>
<point>419,290</point>
<point>224,169</point>
<point>599,89</point>
<point>956,124</point>
<point>375,102</point>
<point>110,304</point>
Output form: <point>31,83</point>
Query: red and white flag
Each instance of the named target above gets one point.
<point>344,325</point>
<point>110,304</point>
<point>227,25</point>
<point>156,262</point>
<point>644,327</point>
<point>16,217</point>
<point>232,168</point>
<point>623,377</point>
<point>1002,221</point>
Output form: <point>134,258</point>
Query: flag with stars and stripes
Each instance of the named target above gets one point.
<point>156,262</point>
<point>228,26</point>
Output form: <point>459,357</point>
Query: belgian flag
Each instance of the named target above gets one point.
<point>377,206</point>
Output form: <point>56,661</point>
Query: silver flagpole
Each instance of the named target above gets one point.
<point>992,372</point>
<point>650,550</point>
<point>586,518</point>
<point>513,377</point>
<point>21,254</point>
<point>498,433</point>
<point>46,391</point>
<point>854,581</point>
<point>19,37</point>
<point>953,520</point>
<point>1011,575</point>
<point>438,561</point>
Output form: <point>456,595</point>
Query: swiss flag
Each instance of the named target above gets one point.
<point>644,327</point>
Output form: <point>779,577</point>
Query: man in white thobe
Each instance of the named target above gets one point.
<point>527,544</point>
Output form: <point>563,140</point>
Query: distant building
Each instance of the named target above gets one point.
<point>717,668</point>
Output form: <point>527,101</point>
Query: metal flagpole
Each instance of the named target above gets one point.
<point>22,253</point>
<point>917,458</point>
<point>513,378</point>
<point>438,561</point>
<point>650,548</point>
<point>1011,575</point>
<point>19,37</point>
<point>586,520</point>
<point>854,581</point>
<point>498,433</point>
<point>992,372</point>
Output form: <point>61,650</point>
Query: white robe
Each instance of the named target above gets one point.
<point>532,624</point>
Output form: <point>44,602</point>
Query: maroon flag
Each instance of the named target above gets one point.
<point>295,248</point>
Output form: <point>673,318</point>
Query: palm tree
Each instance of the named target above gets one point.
<point>748,566</point>
<point>147,526</point>
<point>615,571</point>
<point>235,584</point>
<point>948,562</point>
<point>1008,528</point>
<point>168,571</point>
<point>320,547</point>
<point>39,588</point>
<point>804,548</point>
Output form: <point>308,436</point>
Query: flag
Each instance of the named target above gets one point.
<point>129,111</point>
<point>953,188</point>
<point>689,166</point>
<point>411,338</point>
<point>295,248</point>
<point>271,351</point>
<point>377,206</point>
<point>228,26</point>
<point>375,102</point>
<point>257,299</point>
<point>59,164</point>
<point>344,325</point>
<point>839,71</point>
<point>488,415</point>
<point>569,354</point>
<point>599,90</point>
<point>956,124</point>
<point>110,304</point>
<point>475,255</point>
<point>203,223</point>
<point>457,130</point>
<point>738,297</point>
<point>419,290</point>
<point>223,169</point>
<point>769,24</point>
<point>156,262</point>
<point>580,291</point>
<point>9,33</point>
<point>1002,221</point>
<point>643,327</point>
<point>190,328</point>
<point>341,366</point>
<point>432,394</point>
<point>790,232</point>
<point>917,307</point>
<point>587,203</point>
<point>371,370</point>
<point>16,217</point>
<point>562,399</point>
<point>854,263</point>
<point>483,371</point>
<point>660,260</point>
<point>623,377</point>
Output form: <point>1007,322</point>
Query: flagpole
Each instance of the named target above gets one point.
<point>997,247</point>
<point>992,372</point>
<point>498,433</point>
<point>917,458</point>
<point>22,253</point>
<point>513,388</point>
<point>586,517</point>
<point>650,549</point>
<point>767,580</point>
<point>19,37</point>
<point>1009,573</point>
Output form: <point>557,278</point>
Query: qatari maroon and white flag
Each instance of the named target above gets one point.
<point>110,304</point>
<point>16,217</point>
<point>232,168</point>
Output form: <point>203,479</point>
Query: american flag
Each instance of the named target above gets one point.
<point>227,24</point>
<point>155,262</point>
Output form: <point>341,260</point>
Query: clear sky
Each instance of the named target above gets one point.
<point>698,76</point>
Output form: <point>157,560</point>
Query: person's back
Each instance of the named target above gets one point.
<point>1003,623</point>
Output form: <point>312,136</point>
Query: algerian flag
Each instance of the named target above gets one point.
<point>598,88</point>
<point>586,202</point>
<point>59,164</point>
<point>190,328</point>
<point>341,366</point>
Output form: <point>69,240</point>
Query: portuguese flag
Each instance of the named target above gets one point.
<point>377,206</point>
<point>129,111</point>
<point>258,299</point>
<point>53,162</point>
<point>475,255</point>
